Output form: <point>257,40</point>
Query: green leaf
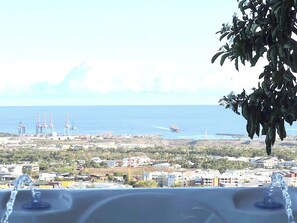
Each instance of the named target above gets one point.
<point>216,56</point>
<point>262,75</point>
<point>240,4</point>
<point>268,144</point>
<point>281,51</point>
<point>250,128</point>
<point>294,62</point>
<point>268,148</point>
<point>272,135</point>
<point>258,129</point>
<point>262,50</point>
<point>289,119</point>
<point>223,58</point>
<point>281,129</point>
<point>223,35</point>
<point>288,76</point>
<point>276,6</point>
<point>264,130</point>
<point>226,47</point>
<point>236,64</point>
<point>254,60</point>
<point>230,35</point>
<point>254,28</point>
<point>273,56</point>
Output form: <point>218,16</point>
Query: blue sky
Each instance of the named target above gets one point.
<point>99,52</point>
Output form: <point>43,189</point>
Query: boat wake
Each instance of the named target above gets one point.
<point>161,127</point>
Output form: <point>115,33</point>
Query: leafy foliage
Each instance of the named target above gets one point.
<point>146,183</point>
<point>266,29</point>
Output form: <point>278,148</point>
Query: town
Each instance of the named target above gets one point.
<point>89,161</point>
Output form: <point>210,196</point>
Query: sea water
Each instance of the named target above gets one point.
<point>194,121</point>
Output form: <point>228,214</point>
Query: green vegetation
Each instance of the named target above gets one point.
<point>145,183</point>
<point>266,29</point>
<point>196,157</point>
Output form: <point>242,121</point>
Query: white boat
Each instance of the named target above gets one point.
<point>174,128</point>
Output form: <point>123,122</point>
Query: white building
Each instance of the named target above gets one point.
<point>159,176</point>
<point>207,177</point>
<point>47,176</point>
<point>228,179</point>
<point>266,162</point>
<point>175,178</point>
<point>135,161</point>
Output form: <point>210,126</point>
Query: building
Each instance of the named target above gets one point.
<point>207,180</point>
<point>228,180</point>
<point>47,176</point>
<point>96,160</point>
<point>291,179</point>
<point>175,178</point>
<point>159,176</point>
<point>112,163</point>
<point>134,161</point>
<point>266,162</point>
<point>10,172</point>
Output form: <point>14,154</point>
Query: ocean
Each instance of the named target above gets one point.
<point>194,121</point>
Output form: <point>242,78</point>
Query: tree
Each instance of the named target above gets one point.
<point>177,184</point>
<point>265,29</point>
<point>146,183</point>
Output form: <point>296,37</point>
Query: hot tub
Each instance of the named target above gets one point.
<point>184,205</point>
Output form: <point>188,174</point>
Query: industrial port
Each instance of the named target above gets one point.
<point>46,128</point>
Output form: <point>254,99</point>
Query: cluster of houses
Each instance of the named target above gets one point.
<point>259,175</point>
<point>135,161</point>
<point>132,161</point>
<point>211,178</point>
<point>168,175</point>
<point>165,174</point>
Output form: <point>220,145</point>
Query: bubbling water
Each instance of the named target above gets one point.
<point>269,203</point>
<point>277,178</point>
<point>9,206</point>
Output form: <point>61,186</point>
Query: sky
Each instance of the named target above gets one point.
<point>115,52</point>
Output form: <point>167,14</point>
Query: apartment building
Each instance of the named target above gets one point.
<point>175,178</point>
<point>159,176</point>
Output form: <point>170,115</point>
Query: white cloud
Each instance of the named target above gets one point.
<point>104,76</point>
<point>226,77</point>
<point>19,76</point>
<point>168,76</point>
<point>133,76</point>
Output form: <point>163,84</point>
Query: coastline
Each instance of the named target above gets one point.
<point>143,140</point>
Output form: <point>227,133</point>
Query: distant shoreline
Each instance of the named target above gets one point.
<point>155,139</point>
